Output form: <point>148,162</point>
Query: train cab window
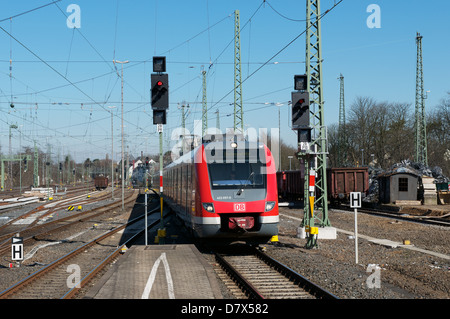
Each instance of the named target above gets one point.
<point>402,184</point>
<point>232,175</point>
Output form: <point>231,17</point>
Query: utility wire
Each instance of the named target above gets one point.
<point>283,16</point>
<point>18,15</point>
<point>56,71</point>
<point>276,54</point>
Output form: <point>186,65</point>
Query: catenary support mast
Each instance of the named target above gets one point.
<point>316,163</point>
<point>238,110</point>
<point>420,123</point>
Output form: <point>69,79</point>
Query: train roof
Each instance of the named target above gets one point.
<point>219,142</point>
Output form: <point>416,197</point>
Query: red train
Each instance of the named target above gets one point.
<point>225,189</point>
<point>340,182</point>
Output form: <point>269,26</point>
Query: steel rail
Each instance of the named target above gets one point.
<point>86,279</point>
<point>294,276</point>
<point>58,205</point>
<point>243,283</point>
<point>11,290</point>
<point>252,292</point>
<point>435,220</point>
<point>75,219</point>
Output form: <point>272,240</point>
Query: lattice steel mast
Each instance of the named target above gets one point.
<point>204,106</point>
<point>238,110</point>
<point>420,123</point>
<point>317,122</point>
<point>342,136</point>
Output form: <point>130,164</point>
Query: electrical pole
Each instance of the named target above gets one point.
<point>183,125</point>
<point>36,166</point>
<point>315,166</point>
<point>420,123</point>
<point>204,106</point>
<point>342,137</point>
<point>10,156</point>
<point>123,167</point>
<point>238,111</point>
<point>112,154</point>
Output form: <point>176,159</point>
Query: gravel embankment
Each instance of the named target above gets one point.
<point>400,273</point>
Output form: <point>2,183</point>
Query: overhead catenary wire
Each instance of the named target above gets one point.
<point>31,10</point>
<point>56,71</point>
<point>277,53</point>
<point>107,97</point>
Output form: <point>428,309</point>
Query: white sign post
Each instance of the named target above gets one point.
<point>146,235</point>
<point>17,248</point>
<point>355,202</point>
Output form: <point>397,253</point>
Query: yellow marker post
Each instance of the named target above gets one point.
<point>311,205</point>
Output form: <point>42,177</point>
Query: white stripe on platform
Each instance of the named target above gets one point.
<point>151,278</point>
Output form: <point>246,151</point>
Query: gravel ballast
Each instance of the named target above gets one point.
<point>382,272</point>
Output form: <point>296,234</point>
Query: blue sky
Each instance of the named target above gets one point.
<point>64,102</point>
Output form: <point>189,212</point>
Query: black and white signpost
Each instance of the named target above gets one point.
<point>17,249</point>
<point>355,202</point>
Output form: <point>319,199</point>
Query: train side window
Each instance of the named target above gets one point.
<point>403,184</point>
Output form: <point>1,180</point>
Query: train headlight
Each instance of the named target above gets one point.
<point>270,206</point>
<point>209,207</point>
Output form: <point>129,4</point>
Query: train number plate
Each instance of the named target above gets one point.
<point>239,207</point>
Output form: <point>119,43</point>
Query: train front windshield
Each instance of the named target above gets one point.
<point>237,168</point>
<point>233,175</point>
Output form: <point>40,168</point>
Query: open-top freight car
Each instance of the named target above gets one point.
<point>100,182</point>
<point>340,182</point>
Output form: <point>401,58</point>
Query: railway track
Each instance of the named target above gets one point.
<point>262,277</point>
<point>31,234</point>
<point>430,220</point>
<point>64,277</point>
<point>40,214</point>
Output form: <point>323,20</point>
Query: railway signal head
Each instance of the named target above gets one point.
<point>300,82</point>
<point>160,91</point>
<point>300,110</point>
<point>159,117</point>
<point>159,64</point>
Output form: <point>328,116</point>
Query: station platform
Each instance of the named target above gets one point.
<point>176,271</point>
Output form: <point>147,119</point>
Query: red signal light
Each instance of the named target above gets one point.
<point>159,83</point>
<point>301,101</point>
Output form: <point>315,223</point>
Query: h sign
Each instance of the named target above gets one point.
<point>355,200</point>
<point>17,248</point>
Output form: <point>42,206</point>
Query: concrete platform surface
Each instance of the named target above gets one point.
<point>159,272</point>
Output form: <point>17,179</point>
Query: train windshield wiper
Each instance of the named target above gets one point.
<point>239,192</point>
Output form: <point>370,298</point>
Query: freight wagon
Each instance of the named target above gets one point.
<point>340,182</point>
<point>101,182</point>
